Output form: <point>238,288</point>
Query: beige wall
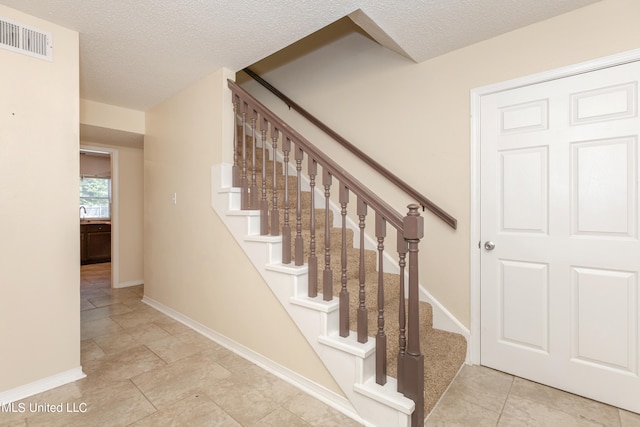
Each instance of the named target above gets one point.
<point>414,118</point>
<point>192,263</point>
<point>130,216</point>
<point>40,237</point>
<point>112,117</point>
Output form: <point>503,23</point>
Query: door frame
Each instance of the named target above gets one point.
<point>475,169</point>
<point>115,220</point>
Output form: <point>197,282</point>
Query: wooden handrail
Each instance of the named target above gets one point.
<point>422,200</point>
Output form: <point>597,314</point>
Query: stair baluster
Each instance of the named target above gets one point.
<point>286,227</point>
<point>299,244</point>
<point>327,274</point>
<point>344,293</point>
<point>381,338</point>
<point>244,182</point>
<point>275,214</point>
<point>264,204</point>
<point>313,259</point>
<point>363,321</point>
<point>253,192</point>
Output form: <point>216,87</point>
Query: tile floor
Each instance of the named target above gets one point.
<point>145,369</point>
<point>481,396</point>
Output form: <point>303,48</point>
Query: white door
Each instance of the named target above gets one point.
<point>559,206</point>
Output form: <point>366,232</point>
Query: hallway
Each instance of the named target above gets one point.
<point>146,369</point>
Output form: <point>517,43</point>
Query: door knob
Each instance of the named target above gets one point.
<point>489,245</point>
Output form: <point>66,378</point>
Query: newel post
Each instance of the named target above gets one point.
<point>414,359</point>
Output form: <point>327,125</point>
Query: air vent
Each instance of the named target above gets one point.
<point>21,38</point>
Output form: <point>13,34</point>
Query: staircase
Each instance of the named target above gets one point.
<point>339,293</point>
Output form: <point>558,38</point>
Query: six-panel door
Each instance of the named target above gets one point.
<point>559,200</point>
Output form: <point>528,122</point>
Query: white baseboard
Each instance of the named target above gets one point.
<point>39,386</point>
<point>129,284</point>
<point>334,400</point>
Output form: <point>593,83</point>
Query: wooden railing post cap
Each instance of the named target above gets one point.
<point>413,223</point>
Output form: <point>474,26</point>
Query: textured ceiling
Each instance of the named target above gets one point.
<point>135,54</point>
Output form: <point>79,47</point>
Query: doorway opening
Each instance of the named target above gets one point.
<point>98,207</point>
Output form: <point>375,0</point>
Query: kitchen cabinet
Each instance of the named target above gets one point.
<point>95,243</point>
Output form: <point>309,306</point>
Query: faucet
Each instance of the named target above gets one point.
<point>82,208</point>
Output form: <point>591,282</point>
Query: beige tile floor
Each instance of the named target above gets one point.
<point>481,396</point>
<point>145,369</point>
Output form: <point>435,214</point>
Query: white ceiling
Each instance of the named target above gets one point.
<point>135,54</point>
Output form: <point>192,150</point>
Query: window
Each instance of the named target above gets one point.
<point>95,198</point>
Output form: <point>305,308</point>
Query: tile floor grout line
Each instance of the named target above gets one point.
<point>146,398</point>
<point>156,354</point>
<point>98,345</point>
<point>620,417</point>
<point>505,401</point>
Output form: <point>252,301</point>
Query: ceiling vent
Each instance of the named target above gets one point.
<point>21,38</point>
